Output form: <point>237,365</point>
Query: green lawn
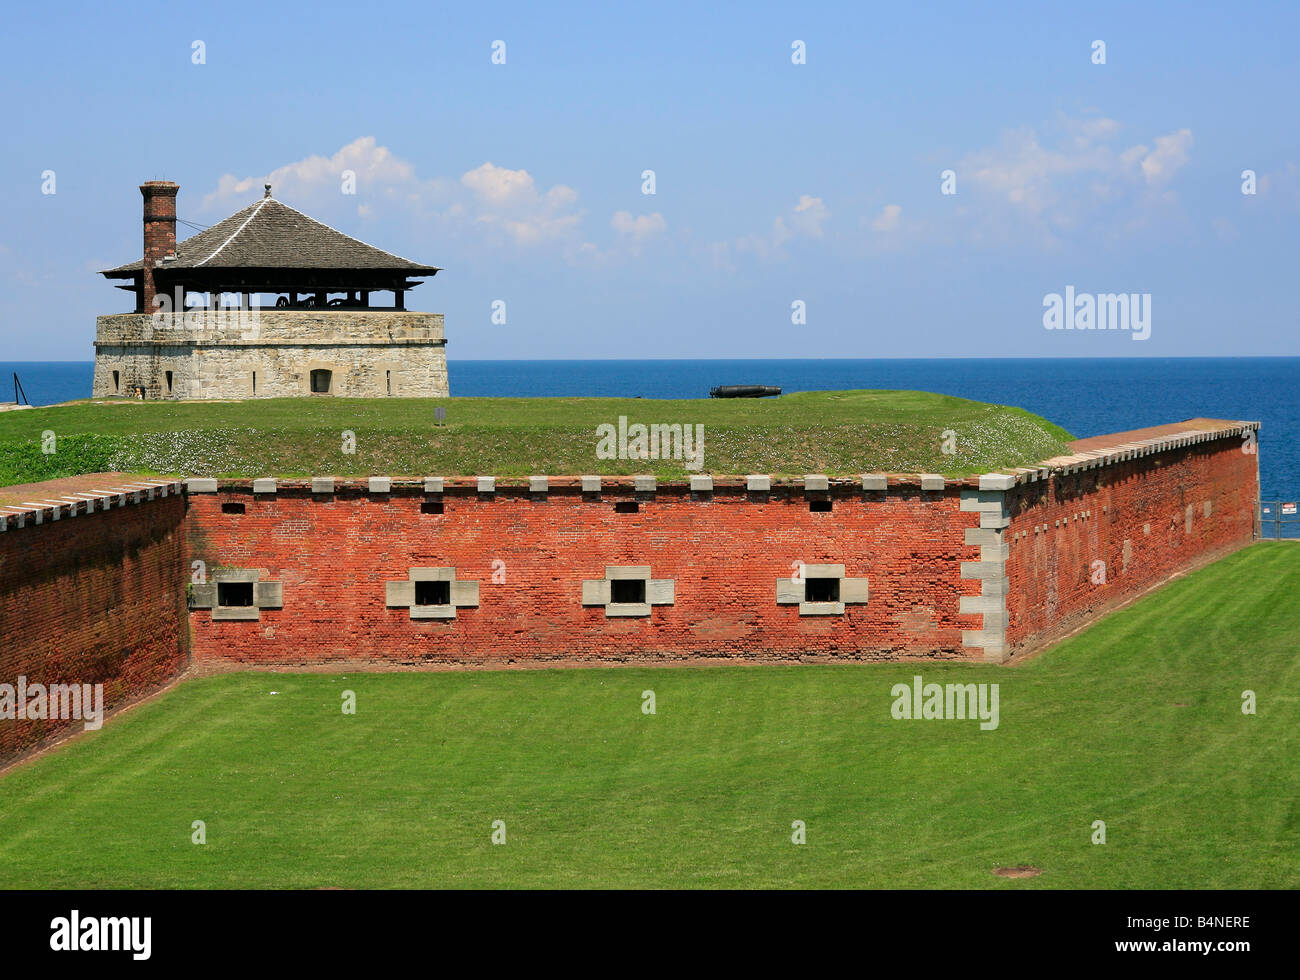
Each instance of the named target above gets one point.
<point>805,432</point>
<point>1136,722</point>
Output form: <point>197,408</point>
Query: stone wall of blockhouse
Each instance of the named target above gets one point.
<point>238,354</point>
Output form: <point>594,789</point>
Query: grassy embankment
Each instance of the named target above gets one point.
<point>806,432</point>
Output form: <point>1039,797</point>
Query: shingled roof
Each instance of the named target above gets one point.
<point>270,235</point>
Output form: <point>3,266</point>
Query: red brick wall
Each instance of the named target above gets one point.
<point>333,556</point>
<point>96,598</point>
<point>159,234</point>
<point>101,597</point>
<point>1144,501</point>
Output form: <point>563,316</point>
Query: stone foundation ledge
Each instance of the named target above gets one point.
<point>70,505</point>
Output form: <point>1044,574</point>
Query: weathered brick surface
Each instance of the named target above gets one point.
<point>96,598</point>
<point>1090,515</point>
<point>334,555</point>
<point>159,232</point>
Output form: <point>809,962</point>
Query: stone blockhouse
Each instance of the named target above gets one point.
<point>198,330</point>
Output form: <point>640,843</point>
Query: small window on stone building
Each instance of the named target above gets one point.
<point>169,382</point>
<point>388,382</point>
<point>433,593</point>
<point>234,593</point>
<point>320,381</point>
<point>822,590</point>
<point>116,380</point>
<point>819,506</point>
<point>627,590</point>
<point>254,382</point>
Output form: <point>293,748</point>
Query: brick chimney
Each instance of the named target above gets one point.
<point>159,233</point>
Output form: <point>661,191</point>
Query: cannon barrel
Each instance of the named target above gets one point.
<point>744,391</point>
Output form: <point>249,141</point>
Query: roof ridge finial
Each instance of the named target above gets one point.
<point>268,190</point>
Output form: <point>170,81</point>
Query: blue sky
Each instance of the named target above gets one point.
<point>775,182</point>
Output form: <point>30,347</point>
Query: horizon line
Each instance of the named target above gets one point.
<point>882,357</point>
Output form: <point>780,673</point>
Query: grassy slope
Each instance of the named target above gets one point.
<point>806,432</point>
<point>596,794</point>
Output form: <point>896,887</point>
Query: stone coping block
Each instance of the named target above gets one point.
<point>201,484</point>
<point>591,484</point>
<point>487,484</point>
<point>931,481</point>
<point>816,481</point>
<point>539,484</point>
<point>380,484</point>
<point>265,485</point>
<point>433,484</point>
<point>875,481</point>
<point>645,483</point>
<point>997,481</point>
<point>758,482</point>
<point>701,484</point>
<point>322,484</point>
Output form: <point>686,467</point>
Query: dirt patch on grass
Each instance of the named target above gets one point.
<point>1020,871</point>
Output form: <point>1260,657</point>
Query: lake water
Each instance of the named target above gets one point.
<point>1088,396</point>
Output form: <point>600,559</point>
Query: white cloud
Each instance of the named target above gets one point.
<point>496,203</point>
<point>808,216</point>
<point>1279,187</point>
<point>509,200</point>
<point>373,165</point>
<point>1083,175</point>
<point>804,221</point>
<point>887,220</point>
<point>639,227</point>
<point>1168,157</point>
<point>501,187</point>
